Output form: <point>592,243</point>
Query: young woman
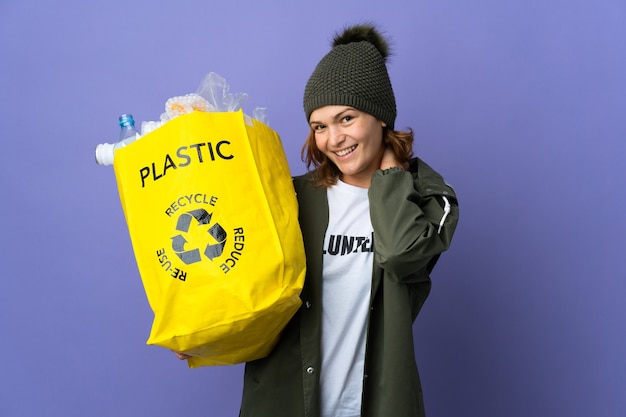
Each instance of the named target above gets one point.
<point>374,222</point>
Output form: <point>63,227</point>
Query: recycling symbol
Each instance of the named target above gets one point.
<point>202,219</point>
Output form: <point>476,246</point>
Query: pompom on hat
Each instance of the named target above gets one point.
<point>354,73</point>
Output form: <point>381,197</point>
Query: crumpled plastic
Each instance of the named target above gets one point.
<point>213,94</point>
<point>176,106</point>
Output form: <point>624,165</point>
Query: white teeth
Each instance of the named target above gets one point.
<point>345,151</point>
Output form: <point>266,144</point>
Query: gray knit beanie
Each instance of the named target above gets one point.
<point>354,73</point>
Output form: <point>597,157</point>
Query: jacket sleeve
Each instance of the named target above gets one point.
<point>414,214</point>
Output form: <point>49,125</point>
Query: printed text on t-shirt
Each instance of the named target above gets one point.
<point>345,245</point>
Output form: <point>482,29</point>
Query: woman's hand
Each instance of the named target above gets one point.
<point>182,356</point>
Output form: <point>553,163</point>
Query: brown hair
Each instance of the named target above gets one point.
<point>400,142</point>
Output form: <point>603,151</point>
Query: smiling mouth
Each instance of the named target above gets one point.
<point>345,152</point>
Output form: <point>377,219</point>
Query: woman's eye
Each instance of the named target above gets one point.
<point>347,118</point>
<point>318,127</point>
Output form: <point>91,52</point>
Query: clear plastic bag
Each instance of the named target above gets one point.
<point>215,90</point>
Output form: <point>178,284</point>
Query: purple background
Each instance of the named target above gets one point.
<point>520,103</point>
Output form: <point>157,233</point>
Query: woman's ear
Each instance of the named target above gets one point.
<point>383,124</point>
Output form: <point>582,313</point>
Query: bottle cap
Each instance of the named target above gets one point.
<point>127,120</point>
<point>104,153</point>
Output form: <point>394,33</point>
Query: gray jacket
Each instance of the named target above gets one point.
<point>414,214</point>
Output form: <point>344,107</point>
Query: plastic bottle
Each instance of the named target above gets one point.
<point>105,152</point>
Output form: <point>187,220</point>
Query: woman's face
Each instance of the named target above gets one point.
<point>351,139</point>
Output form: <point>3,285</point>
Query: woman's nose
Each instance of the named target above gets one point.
<point>335,135</point>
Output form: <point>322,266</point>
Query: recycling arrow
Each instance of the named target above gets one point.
<point>184,220</point>
<point>188,257</point>
<point>219,234</point>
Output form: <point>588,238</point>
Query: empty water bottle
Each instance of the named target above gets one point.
<point>105,152</point>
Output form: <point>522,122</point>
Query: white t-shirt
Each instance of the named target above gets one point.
<point>346,287</point>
